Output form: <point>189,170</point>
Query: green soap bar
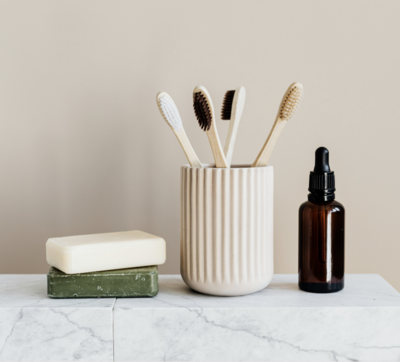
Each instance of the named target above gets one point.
<point>134,282</point>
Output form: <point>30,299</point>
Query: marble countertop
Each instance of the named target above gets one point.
<point>279,323</point>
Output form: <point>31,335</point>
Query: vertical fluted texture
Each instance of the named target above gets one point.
<point>227,229</point>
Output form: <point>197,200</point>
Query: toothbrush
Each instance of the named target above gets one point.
<point>170,113</point>
<point>232,109</point>
<point>204,111</point>
<point>288,107</point>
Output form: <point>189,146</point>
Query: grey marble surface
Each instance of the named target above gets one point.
<point>279,323</point>
<point>34,327</point>
<point>361,290</point>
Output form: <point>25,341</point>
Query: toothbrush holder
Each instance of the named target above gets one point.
<point>227,229</point>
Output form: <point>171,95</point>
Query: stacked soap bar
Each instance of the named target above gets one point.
<point>134,282</point>
<point>122,264</point>
<point>90,253</point>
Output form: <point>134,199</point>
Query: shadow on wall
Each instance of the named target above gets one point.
<point>85,173</point>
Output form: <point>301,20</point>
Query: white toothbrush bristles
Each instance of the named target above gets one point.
<point>169,111</point>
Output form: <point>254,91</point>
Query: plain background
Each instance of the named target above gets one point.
<point>83,148</point>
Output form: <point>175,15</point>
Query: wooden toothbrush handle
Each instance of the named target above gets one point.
<point>219,157</point>
<point>230,139</point>
<point>236,114</point>
<point>187,148</point>
<point>265,153</point>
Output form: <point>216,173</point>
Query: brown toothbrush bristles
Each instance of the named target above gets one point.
<point>291,102</point>
<point>202,111</point>
<point>227,105</point>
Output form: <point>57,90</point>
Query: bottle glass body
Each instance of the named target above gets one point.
<point>321,247</point>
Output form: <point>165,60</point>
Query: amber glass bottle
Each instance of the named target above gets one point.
<point>321,232</point>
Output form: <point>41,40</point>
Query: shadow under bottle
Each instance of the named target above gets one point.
<point>321,232</point>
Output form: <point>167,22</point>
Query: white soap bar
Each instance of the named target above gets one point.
<point>97,252</point>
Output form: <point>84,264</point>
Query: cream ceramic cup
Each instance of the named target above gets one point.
<point>227,229</point>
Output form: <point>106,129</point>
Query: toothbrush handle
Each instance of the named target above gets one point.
<point>219,157</point>
<point>187,148</point>
<point>236,114</point>
<point>231,139</point>
<point>265,153</point>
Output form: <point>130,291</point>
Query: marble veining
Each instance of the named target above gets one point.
<point>279,323</point>
<point>34,327</point>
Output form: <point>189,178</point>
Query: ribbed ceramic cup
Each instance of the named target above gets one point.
<point>227,229</point>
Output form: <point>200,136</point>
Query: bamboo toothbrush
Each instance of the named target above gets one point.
<point>289,104</point>
<point>170,113</point>
<point>232,109</point>
<point>204,111</point>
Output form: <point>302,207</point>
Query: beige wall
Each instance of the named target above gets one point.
<point>83,148</point>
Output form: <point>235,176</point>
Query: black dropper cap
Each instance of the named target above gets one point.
<point>322,180</point>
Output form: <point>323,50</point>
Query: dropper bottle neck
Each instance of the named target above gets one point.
<point>322,179</point>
